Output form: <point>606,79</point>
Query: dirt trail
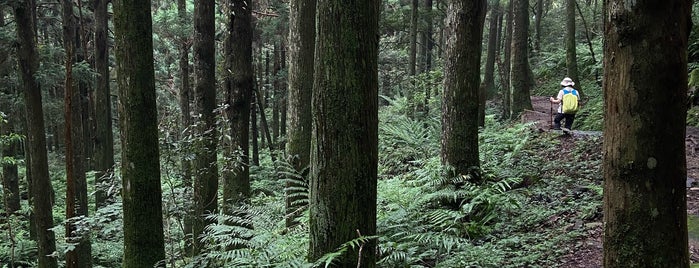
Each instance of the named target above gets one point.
<point>587,252</point>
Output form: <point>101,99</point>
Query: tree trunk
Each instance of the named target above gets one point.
<point>487,88</point>
<point>239,86</point>
<point>76,183</point>
<point>412,53</point>
<point>254,132</point>
<point>301,49</point>
<point>104,138</point>
<point>283,102</point>
<point>461,82</point>
<point>140,166</point>
<point>345,130</point>
<point>571,54</point>
<point>645,82</point>
<point>277,93</point>
<point>507,63</point>
<point>206,177</point>
<point>519,76</point>
<point>28,59</point>
<point>185,88</point>
<point>537,24</point>
<point>10,172</point>
<point>427,39</point>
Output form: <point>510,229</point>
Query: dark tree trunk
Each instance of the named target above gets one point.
<point>28,59</point>
<point>301,49</point>
<point>571,54</point>
<point>239,86</point>
<point>645,82</point>
<point>76,183</point>
<point>283,102</point>
<point>487,88</point>
<point>10,172</point>
<point>138,119</point>
<point>507,64</point>
<point>412,53</point>
<point>344,146</point>
<point>254,133</point>
<point>537,24</point>
<point>206,177</point>
<point>520,73</point>
<point>185,88</point>
<point>428,41</point>
<point>461,82</point>
<point>104,137</point>
<point>277,94</point>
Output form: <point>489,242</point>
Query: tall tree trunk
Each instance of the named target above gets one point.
<point>428,41</point>
<point>571,54</point>
<point>138,119</point>
<point>28,59</point>
<point>277,93</point>
<point>206,176</point>
<point>10,172</point>
<point>412,54</point>
<point>507,63</point>
<point>185,88</point>
<point>104,137</point>
<point>76,183</point>
<point>461,82</point>
<point>344,142</point>
<point>487,88</point>
<point>239,86</point>
<point>254,132</point>
<point>537,24</point>
<point>283,102</point>
<point>645,82</point>
<point>519,74</point>
<point>301,49</point>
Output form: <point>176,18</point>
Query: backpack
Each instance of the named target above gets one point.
<point>570,101</point>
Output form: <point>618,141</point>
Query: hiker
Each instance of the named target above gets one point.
<point>568,100</point>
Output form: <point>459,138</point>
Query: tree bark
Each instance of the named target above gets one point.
<point>140,166</point>
<point>412,53</point>
<point>206,177</point>
<point>344,143</point>
<point>76,183</point>
<point>537,24</point>
<point>427,39</point>
<point>236,188</point>
<point>520,70</point>
<point>645,82</point>
<point>10,172</point>
<point>507,63</point>
<point>185,91</point>
<point>461,86</point>
<point>487,88</point>
<point>28,59</point>
<point>104,137</point>
<point>571,54</point>
<point>301,49</point>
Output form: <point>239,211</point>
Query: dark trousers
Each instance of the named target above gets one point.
<point>560,116</point>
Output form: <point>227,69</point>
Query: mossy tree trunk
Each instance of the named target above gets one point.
<point>487,88</point>
<point>10,171</point>
<point>138,123</point>
<point>506,63</point>
<point>239,87</point>
<point>76,183</point>
<point>520,73</point>
<point>645,82</point>
<point>204,164</point>
<point>344,144</point>
<point>104,138</point>
<point>571,53</point>
<point>301,49</point>
<point>28,59</point>
<point>462,58</point>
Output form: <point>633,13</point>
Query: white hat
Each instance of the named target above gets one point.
<point>567,82</point>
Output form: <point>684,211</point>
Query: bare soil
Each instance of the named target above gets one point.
<point>587,251</point>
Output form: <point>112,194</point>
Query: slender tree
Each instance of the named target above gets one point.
<point>537,24</point>
<point>645,82</point>
<point>140,167</point>
<point>76,183</point>
<point>344,143</point>
<point>301,49</point>
<point>104,138</point>
<point>185,88</point>
<point>487,88</point>
<point>571,54</point>
<point>506,64</point>
<point>10,171</point>
<point>520,71</point>
<point>239,92</point>
<point>206,170</point>
<point>461,82</point>
<point>28,59</point>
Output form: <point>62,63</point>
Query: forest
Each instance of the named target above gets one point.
<point>349,133</point>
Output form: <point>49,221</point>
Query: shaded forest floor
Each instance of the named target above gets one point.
<point>586,249</point>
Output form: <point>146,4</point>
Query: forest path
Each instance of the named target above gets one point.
<point>587,251</point>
